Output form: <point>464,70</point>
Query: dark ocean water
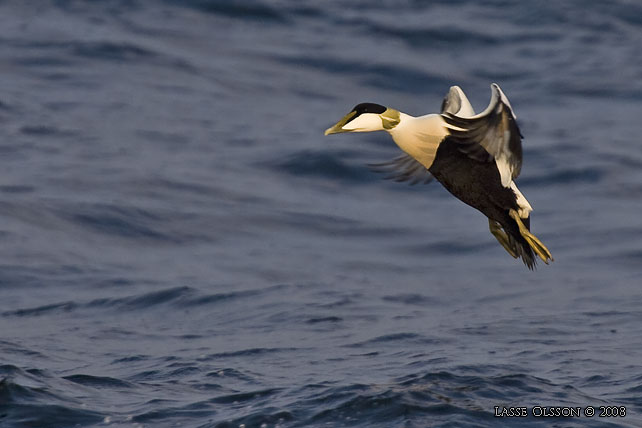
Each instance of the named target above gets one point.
<point>181,245</point>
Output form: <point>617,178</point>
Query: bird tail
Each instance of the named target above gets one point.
<point>525,244</point>
<point>522,249</point>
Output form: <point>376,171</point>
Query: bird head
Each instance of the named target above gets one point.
<point>366,117</point>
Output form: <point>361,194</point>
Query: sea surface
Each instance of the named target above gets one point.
<point>182,247</point>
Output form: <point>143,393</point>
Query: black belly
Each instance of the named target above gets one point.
<point>475,183</point>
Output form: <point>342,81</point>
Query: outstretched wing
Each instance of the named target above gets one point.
<point>456,103</point>
<point>403,168</point>
<point>491,135</point>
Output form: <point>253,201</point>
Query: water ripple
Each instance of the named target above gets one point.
<point>25,401</point>
<point>180,246</point>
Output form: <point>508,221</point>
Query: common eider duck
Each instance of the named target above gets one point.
<point>475,157</point>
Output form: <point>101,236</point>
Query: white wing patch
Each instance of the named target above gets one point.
<point>524,207</point>
<point>505,170</point>
<point>456,102</point>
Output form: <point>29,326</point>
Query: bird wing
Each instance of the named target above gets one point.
<point>490,135</point>
<point>455,102</point>
<point>403,168</point>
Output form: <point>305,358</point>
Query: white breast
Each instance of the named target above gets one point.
<point>420,136</point>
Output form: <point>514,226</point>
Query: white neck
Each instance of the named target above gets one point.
<point>419,136</point>
<point>405,120</point>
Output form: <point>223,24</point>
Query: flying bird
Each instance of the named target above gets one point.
<point>475,157</point>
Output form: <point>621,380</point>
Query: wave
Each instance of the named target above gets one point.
<point>26,399</point>
<point>377,75</point>
<point>324,164</point>
<point>422,398</point>
<point>178,297</point>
